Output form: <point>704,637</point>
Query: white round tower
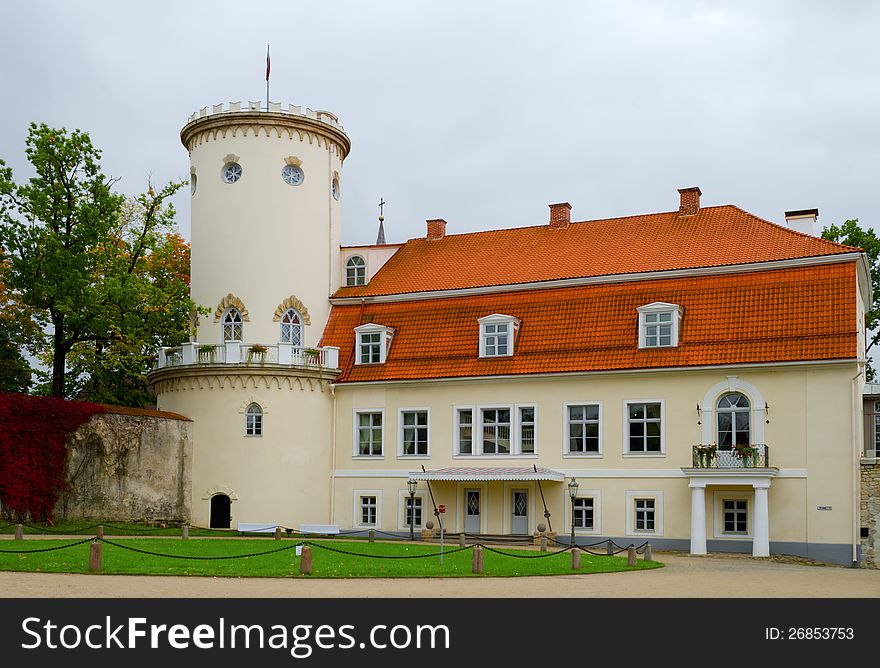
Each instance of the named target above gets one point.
<point>266,228</point>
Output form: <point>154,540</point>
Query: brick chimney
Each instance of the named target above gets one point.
<point>690,201</point>
<point>436,228</point>
<point>560,215</point>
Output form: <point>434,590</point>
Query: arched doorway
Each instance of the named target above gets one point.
<point>221,514</point>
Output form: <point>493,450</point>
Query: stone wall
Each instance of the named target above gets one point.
<point>870,514</point>
<point>129,464</point>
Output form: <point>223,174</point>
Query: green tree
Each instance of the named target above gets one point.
<point>16,327</point>
<point>82,259</point>
<point>851,234</point>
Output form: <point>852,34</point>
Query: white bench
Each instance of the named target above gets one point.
<point>256,527</point>
<point>323,529</point>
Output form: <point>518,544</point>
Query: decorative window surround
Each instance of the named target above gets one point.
<point>498,335</point>
<point>477,431</point>
<point>372,343</point>
<point>708,419</point>
<point>631,496</point>
<point>719,497</point>
<point>253,422</point>
<point>403,429</point>
<point>403,500</point>
<point>566,423</point>
<point>370,439</point>
<point>594,494</point>
<point>659,325</point>
<point>359,495</point>
<point>627,452</point>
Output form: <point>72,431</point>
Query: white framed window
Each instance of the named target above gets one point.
<point>232,325</point>
<point>253,420</point>
<point>732,516</point>
<point>659,325</point>
<point>876,439</point>
<point>355,271</point>
<point>583,428</point>
<point>373,342</point>
<point>464,430</point>
<point>413,433</point>
<point>406,507</point>
<point>733,417</point>
<point>367,508</point>
<point>231,172</point>
<point>497,334</point>
<point>643,428</point>
<point>368,432</point>
<point>644,513</point>
<point>291,327</point>
<point>584,513</point>
<point>527,417</point>
<point>495,430</point>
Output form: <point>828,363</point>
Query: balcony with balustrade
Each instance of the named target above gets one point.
<point>248,354</point>
<point>731,457</point>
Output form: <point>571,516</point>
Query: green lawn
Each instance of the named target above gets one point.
<point>327,563</point>
<point>87,528</point>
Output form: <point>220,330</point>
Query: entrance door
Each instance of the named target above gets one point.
<point>520,520</point>
<point>221,514</point>
<point>472,511</point>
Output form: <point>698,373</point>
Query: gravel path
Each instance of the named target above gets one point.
<point>683,576</point>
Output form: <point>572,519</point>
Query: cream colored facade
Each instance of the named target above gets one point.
<point>261,245</point>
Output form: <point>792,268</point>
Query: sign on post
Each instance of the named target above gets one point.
<point>441,508</point>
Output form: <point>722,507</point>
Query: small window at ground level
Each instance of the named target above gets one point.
<point>736,516</point>
<point>368,510</point>
<point>645,514</point>
<point>413,511</point>
<point>583,513</point>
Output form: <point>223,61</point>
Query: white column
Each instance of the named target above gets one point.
<point>761,531</point>
<point>698,518</point>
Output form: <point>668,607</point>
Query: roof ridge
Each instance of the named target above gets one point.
<point>796,232</point>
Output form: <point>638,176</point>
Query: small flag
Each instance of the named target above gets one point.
<point>267,62</point>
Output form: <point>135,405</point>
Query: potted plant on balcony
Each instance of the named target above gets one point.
<point>312,356</point>
<point>257,351</point>
<point>745,453</point>
<point>706,454</point>
<point>207,352</point>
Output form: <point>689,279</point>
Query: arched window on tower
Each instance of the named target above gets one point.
<point>253,421</point>
<point>734,413</point>
<point>232,325</point>
<point>355,271</point>
<point>291,328</point>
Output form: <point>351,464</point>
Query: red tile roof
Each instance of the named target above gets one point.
<point>715,236</point>
<point>782,315</point>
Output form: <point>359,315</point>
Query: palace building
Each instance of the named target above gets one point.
<point>691,377</point>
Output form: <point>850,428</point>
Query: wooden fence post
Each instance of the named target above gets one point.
<point>477,559</point>
<point>649,554</point>
<point>19,532</point>
<point>184,531</point>
<point>631,555</point>
<point>305,561</point>
<point>576,559</point>
<point>95,557</point>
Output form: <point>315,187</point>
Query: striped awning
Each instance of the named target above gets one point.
<point>479,473</point>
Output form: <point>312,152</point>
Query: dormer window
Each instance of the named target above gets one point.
<point>373,342</point>
<point>658,325</point>
<point>355,271</point>
<point>497,334</point>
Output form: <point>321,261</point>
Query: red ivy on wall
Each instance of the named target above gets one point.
<point>33,457</point>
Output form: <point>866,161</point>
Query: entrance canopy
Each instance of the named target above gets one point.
<point>478,473</point>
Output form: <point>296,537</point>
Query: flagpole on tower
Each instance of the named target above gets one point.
<point>267,76</point>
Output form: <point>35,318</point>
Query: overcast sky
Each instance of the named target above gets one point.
<point>481,113</point>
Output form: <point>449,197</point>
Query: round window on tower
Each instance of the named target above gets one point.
<point>231,172</point>
<point>334,188</point>
<point>292,175</point>
<point>192,184</point>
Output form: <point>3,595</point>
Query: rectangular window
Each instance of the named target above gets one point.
<point>413,511</point>
<point>736,516</point>
<point>644,423</point>
<point>645,514</point>
<point>369,434</point>
<point>876,430</point>
<point>496,340</point>
<point>583,428</point>
<point>496,431</point>
<point>465,431</point>
<point>527,430</point>
<point>658,329</point>
<point>415,433</point>
<point>370,348</point>
<point>368,511</point>
<point>583,513</point>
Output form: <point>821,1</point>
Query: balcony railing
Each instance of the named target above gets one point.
<point>737,457</point>
<point>283,354</point>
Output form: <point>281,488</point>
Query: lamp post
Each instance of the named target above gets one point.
<point>411,484</point>
<point>572,492</point>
